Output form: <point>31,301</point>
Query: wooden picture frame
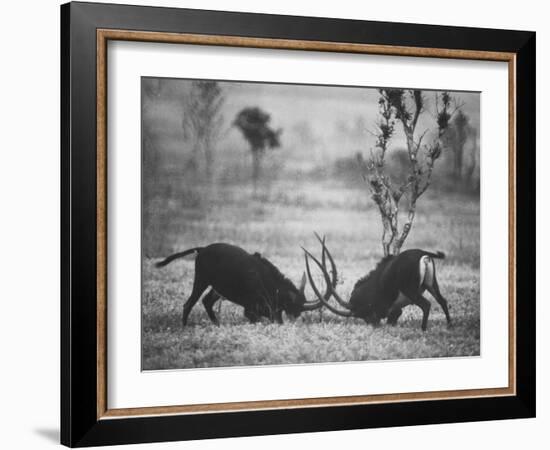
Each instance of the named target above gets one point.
<point>86,418</point>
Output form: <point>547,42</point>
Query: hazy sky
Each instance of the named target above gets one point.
<point>324,106</point>
<point>326,110</point>
<point>328,100</point>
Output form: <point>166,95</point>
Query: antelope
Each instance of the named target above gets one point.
<point>396,281</point>
<point>249,280</point>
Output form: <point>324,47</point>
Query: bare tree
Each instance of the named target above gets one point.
<point>254,125</point>
<point>203,120</point>
<point>404,107</point>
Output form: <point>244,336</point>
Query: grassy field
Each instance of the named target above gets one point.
<point>276,221</point>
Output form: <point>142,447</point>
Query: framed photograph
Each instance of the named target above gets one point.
<point>277,224</point>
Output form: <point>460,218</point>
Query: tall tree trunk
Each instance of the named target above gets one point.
<point>192,163</point>
<point>208,157</point>
<point>473,164</point>
<point>458,154</point>
<point>256,168</point>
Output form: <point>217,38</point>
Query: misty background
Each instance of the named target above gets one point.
<point>263,166</point>
<point>321,124</point>
<point>322,130</point>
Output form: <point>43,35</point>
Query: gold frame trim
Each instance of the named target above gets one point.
<point>104,35</point>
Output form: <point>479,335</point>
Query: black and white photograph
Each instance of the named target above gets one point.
<point>275,225</point>
<point>299,224</point>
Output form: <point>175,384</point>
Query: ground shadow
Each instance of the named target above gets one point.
<point>50,434</point>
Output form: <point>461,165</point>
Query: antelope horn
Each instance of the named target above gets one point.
<point>341,301</point>
<point>327,280</point>
<point>334,272</point>
<point>311,306</point>
<point>326,296</point>
<point>323,254</point>
<point>315,304</point>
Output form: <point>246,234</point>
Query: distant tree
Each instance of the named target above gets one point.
<point>457,134</point>
<point>469,177</point>
<point>254,125</point>
<point>399,106</point>
<point>155,186</point>
<point>350,131</point>
<point>150,96</point>
<point>203,120</point>
<point>304,133</point>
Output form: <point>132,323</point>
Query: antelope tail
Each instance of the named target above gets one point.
<point>438,255</point>
<point>169,259</point>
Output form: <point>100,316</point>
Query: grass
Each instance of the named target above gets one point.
<point>276,222</point>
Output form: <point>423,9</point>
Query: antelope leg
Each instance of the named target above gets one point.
<point>425,306</point>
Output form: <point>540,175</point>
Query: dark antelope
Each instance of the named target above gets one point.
<point>249,280</point>
<point>397,281</point>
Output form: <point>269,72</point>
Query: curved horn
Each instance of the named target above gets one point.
<point>334,273</point>
<point>332,287</point>
<point>323,253</point>
<point>310,305</point>
<point>327,280</point>
<point>303,283</point>
<point>316,304</point>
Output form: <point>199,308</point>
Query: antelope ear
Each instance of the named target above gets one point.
<point>303,283</point>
